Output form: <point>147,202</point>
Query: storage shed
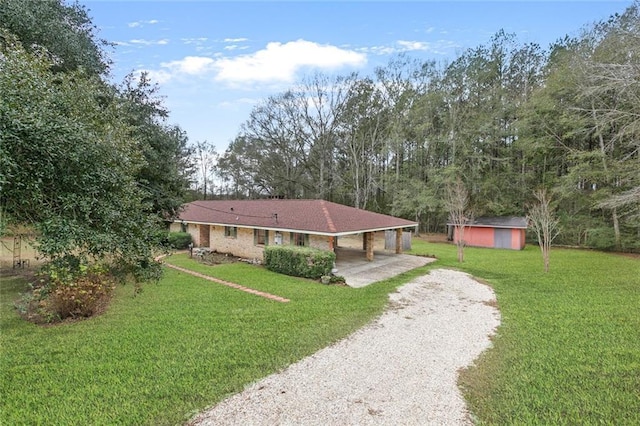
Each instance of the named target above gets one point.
<point>494,232</point>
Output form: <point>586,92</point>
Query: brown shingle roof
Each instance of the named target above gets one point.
<point>308,216</point>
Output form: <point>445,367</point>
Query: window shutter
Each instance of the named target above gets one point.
<point>306,240</point>
<point>266,237</point>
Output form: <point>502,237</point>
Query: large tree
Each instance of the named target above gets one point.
<point>64,30</point>
<point>68,167</point>
<point>167,168</point>
<point>94,168</point>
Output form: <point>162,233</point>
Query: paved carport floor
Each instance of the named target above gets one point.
<point>357,271</point>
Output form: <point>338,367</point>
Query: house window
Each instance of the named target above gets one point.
<point>301,240</point>
<point>183,226</point>
<point>231,231</point>
<point>261,237</point>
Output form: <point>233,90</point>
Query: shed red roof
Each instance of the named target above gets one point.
<point>308,216</point>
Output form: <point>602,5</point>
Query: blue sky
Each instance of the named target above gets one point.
<point>215,60</point>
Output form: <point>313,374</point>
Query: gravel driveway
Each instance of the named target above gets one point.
<point>399,370</point>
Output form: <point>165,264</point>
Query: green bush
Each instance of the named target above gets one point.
<point>60,293</point>
<point>299,261</point>
<point>179,240</point>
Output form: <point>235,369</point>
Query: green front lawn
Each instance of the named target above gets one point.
<point>181,345</point>
<point>568,349</point>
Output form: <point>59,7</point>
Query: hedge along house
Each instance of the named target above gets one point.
<point>244,227</point>
<point>494,232</point>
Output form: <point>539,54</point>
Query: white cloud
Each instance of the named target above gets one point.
<point>142,23</point>
<point>281,62</point>
<point>236,102</point>
<point>196,40</point>
<point>235,47</point>
<point>438,47</point>
<point>235,40</point>
<point>413,45</point>
<point>191,65</point>
<point>276,63</point>
<point>159,76</point>
<point>143,42</point>
<point>380,50</point>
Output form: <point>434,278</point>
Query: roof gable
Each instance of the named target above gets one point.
<point>308,216</point>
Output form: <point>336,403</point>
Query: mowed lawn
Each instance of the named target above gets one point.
<point>568,349</point>
<point>179,346</point>
<point>567,352</point>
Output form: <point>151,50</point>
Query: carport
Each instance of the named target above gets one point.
<point>360,272</point>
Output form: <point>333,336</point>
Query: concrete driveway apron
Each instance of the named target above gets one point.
<point>359,272</point>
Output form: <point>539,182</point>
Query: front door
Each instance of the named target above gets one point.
<point>204,235</point>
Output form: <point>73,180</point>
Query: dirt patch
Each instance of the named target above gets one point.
<point>214,258</point>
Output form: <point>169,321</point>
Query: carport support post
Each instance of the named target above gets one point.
<point>399,241</point>
<point>368,237</point>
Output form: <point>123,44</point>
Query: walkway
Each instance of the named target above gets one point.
<point>229,284</point>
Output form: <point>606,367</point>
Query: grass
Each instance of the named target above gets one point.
<point>568,349</point>
<point>180,346</point>
<point>567,352</point>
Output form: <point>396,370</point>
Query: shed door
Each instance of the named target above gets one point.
<point>502,238</point>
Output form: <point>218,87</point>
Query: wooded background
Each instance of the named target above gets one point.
<point>95,169</point>
<point>508,118</point>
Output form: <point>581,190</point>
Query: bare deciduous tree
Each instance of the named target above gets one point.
<point>544,222</point>
<point>457,203</point>
<point>205,157</point>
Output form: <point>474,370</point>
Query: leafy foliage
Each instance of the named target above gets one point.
<point>179,240</point>
<point>508,117</point>
<point>60,294</point>
<point>69,168</point>
<point>64,30</point>
<point>166,169</point>
<point>303,262</point>
<point>92,167</point>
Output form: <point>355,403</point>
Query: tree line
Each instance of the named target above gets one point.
<point>507,118</point>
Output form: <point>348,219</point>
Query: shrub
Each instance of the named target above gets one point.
<point>84,296</point>
<point>60,294</point>
<point>299,261</point>
<point>179,240</point>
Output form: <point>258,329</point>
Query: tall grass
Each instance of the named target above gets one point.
<point>568,349</point>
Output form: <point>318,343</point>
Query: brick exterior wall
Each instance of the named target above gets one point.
<point>243,244</point>
<point>192,229</point>
<point>319,241</point>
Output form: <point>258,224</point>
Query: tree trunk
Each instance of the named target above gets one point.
<point>616,228</point>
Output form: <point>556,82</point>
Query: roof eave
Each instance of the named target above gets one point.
<point>302,231</point>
